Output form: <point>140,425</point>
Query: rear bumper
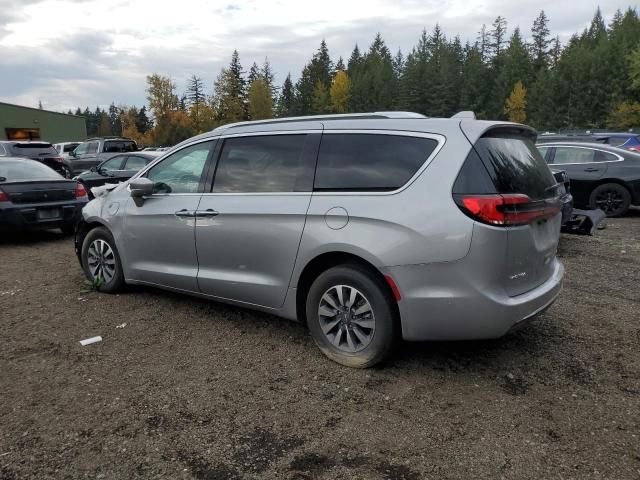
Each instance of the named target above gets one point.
<point>25,216</point>
<point>438,303</point>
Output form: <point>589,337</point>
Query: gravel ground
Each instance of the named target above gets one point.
<point>194,389</point>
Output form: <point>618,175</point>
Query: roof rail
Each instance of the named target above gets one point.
<point>466,114</point>
<point>311,118</point>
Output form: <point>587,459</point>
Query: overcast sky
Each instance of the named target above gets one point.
<point>70,53</point>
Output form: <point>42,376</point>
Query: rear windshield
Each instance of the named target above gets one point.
<point>30,149</point>
<point>20,171</point>
<point>515,165</point>
<point>118,146</point>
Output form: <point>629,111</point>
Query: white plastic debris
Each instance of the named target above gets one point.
<point>89,341</point>
<point>122,325</point>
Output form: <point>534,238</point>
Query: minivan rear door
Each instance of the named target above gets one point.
<point>248,227</point>
<point>517,170</point>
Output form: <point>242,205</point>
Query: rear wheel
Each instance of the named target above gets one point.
<point>612,198</point>
<point>351,317</point>
<point>101,261</point>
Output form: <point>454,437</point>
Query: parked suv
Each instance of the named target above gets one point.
<point>94,151</point>
<point>366,227</point>
<point>42,152</point>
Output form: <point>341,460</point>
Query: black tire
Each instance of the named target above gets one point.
<point>612,198</point>
<point>372,291</point>
<point>106,285</point>
<point>68,229</point>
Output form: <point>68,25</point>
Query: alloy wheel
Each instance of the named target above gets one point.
<point>346,318</point>
<point>101,261</point>
<point>610,201</point>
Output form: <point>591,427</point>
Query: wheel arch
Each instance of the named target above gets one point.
<point>327,260</point>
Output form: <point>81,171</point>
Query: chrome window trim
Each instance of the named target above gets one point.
<point>405,133</point>
<point>563,145</point>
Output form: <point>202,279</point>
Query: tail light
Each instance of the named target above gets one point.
<point>3,197</point>
<point>505,210</point>
<point>81,191</point>
<point>58,159</point>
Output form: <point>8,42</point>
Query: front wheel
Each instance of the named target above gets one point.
<point>101,261</point>
<point>351,317</point>
<point>612,198</point>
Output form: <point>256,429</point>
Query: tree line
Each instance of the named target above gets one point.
<point>593,81</point>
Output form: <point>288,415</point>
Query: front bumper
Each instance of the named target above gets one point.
<point>439,303</point>
<point>27,217</point>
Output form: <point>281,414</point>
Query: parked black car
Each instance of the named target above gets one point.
<point>601,176</point>
<point>625,140</point>
<point>42,152</point>
<point>116,169</point>
<point>32,196</point>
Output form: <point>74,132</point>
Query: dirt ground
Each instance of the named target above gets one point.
<point>194,389</point>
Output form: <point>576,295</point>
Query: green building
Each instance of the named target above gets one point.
<point>25,123</point>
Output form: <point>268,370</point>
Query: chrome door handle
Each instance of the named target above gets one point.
<point>185,213</point>
<point>209,212</point>
<point>591,169</point>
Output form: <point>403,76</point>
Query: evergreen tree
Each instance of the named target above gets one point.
<point>498,35</point>
<point>196,100</point>
<point>230,98</point>
<point>321,101</point>
<point>286,99</point>
<point>540,42</point>
<point>270,79</point>
<point>143,124</point>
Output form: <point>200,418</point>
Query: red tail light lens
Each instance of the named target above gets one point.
<point>3,197</point>
<point>505,210</point>
<point>58,159</point>
<point>80,191</point>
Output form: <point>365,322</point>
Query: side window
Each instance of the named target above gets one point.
<point>113,163</point>
<point>182,171</point>
<point>369,162</point>
<point>134,163</point>
<point>82,149</point>
<point>273,163</point>
<point>605,156</point>
<point>544,151</point>
<point>566,155</point>
<point>616,141</point>
<point>92,147</point>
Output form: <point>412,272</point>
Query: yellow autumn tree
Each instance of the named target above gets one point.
<point>260,101</point>
<point>340,92</point>
<point>516,105</point>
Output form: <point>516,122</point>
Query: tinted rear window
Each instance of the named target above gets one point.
<point>14,171</point>
<point>117,146</point>
<point>33,149</point>
<point>515,165</point>
<point>369,162</point>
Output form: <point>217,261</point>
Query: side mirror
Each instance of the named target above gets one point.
<point>141,187</point>
<point>93,169</point>
<point>73,153</point>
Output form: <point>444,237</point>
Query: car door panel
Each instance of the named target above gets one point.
<point>248,242</point>
<point>159,229</point>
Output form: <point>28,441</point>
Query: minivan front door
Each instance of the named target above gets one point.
<point>159,230</point>
<point>248,228</point>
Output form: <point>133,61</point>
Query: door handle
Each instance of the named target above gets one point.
<point>591,169</point>
<point>209,212</point>
<point>185,213</point>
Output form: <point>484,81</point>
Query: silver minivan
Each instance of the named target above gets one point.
<point>369,228</point>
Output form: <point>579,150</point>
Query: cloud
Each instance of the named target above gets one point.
<point>71,53</point>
